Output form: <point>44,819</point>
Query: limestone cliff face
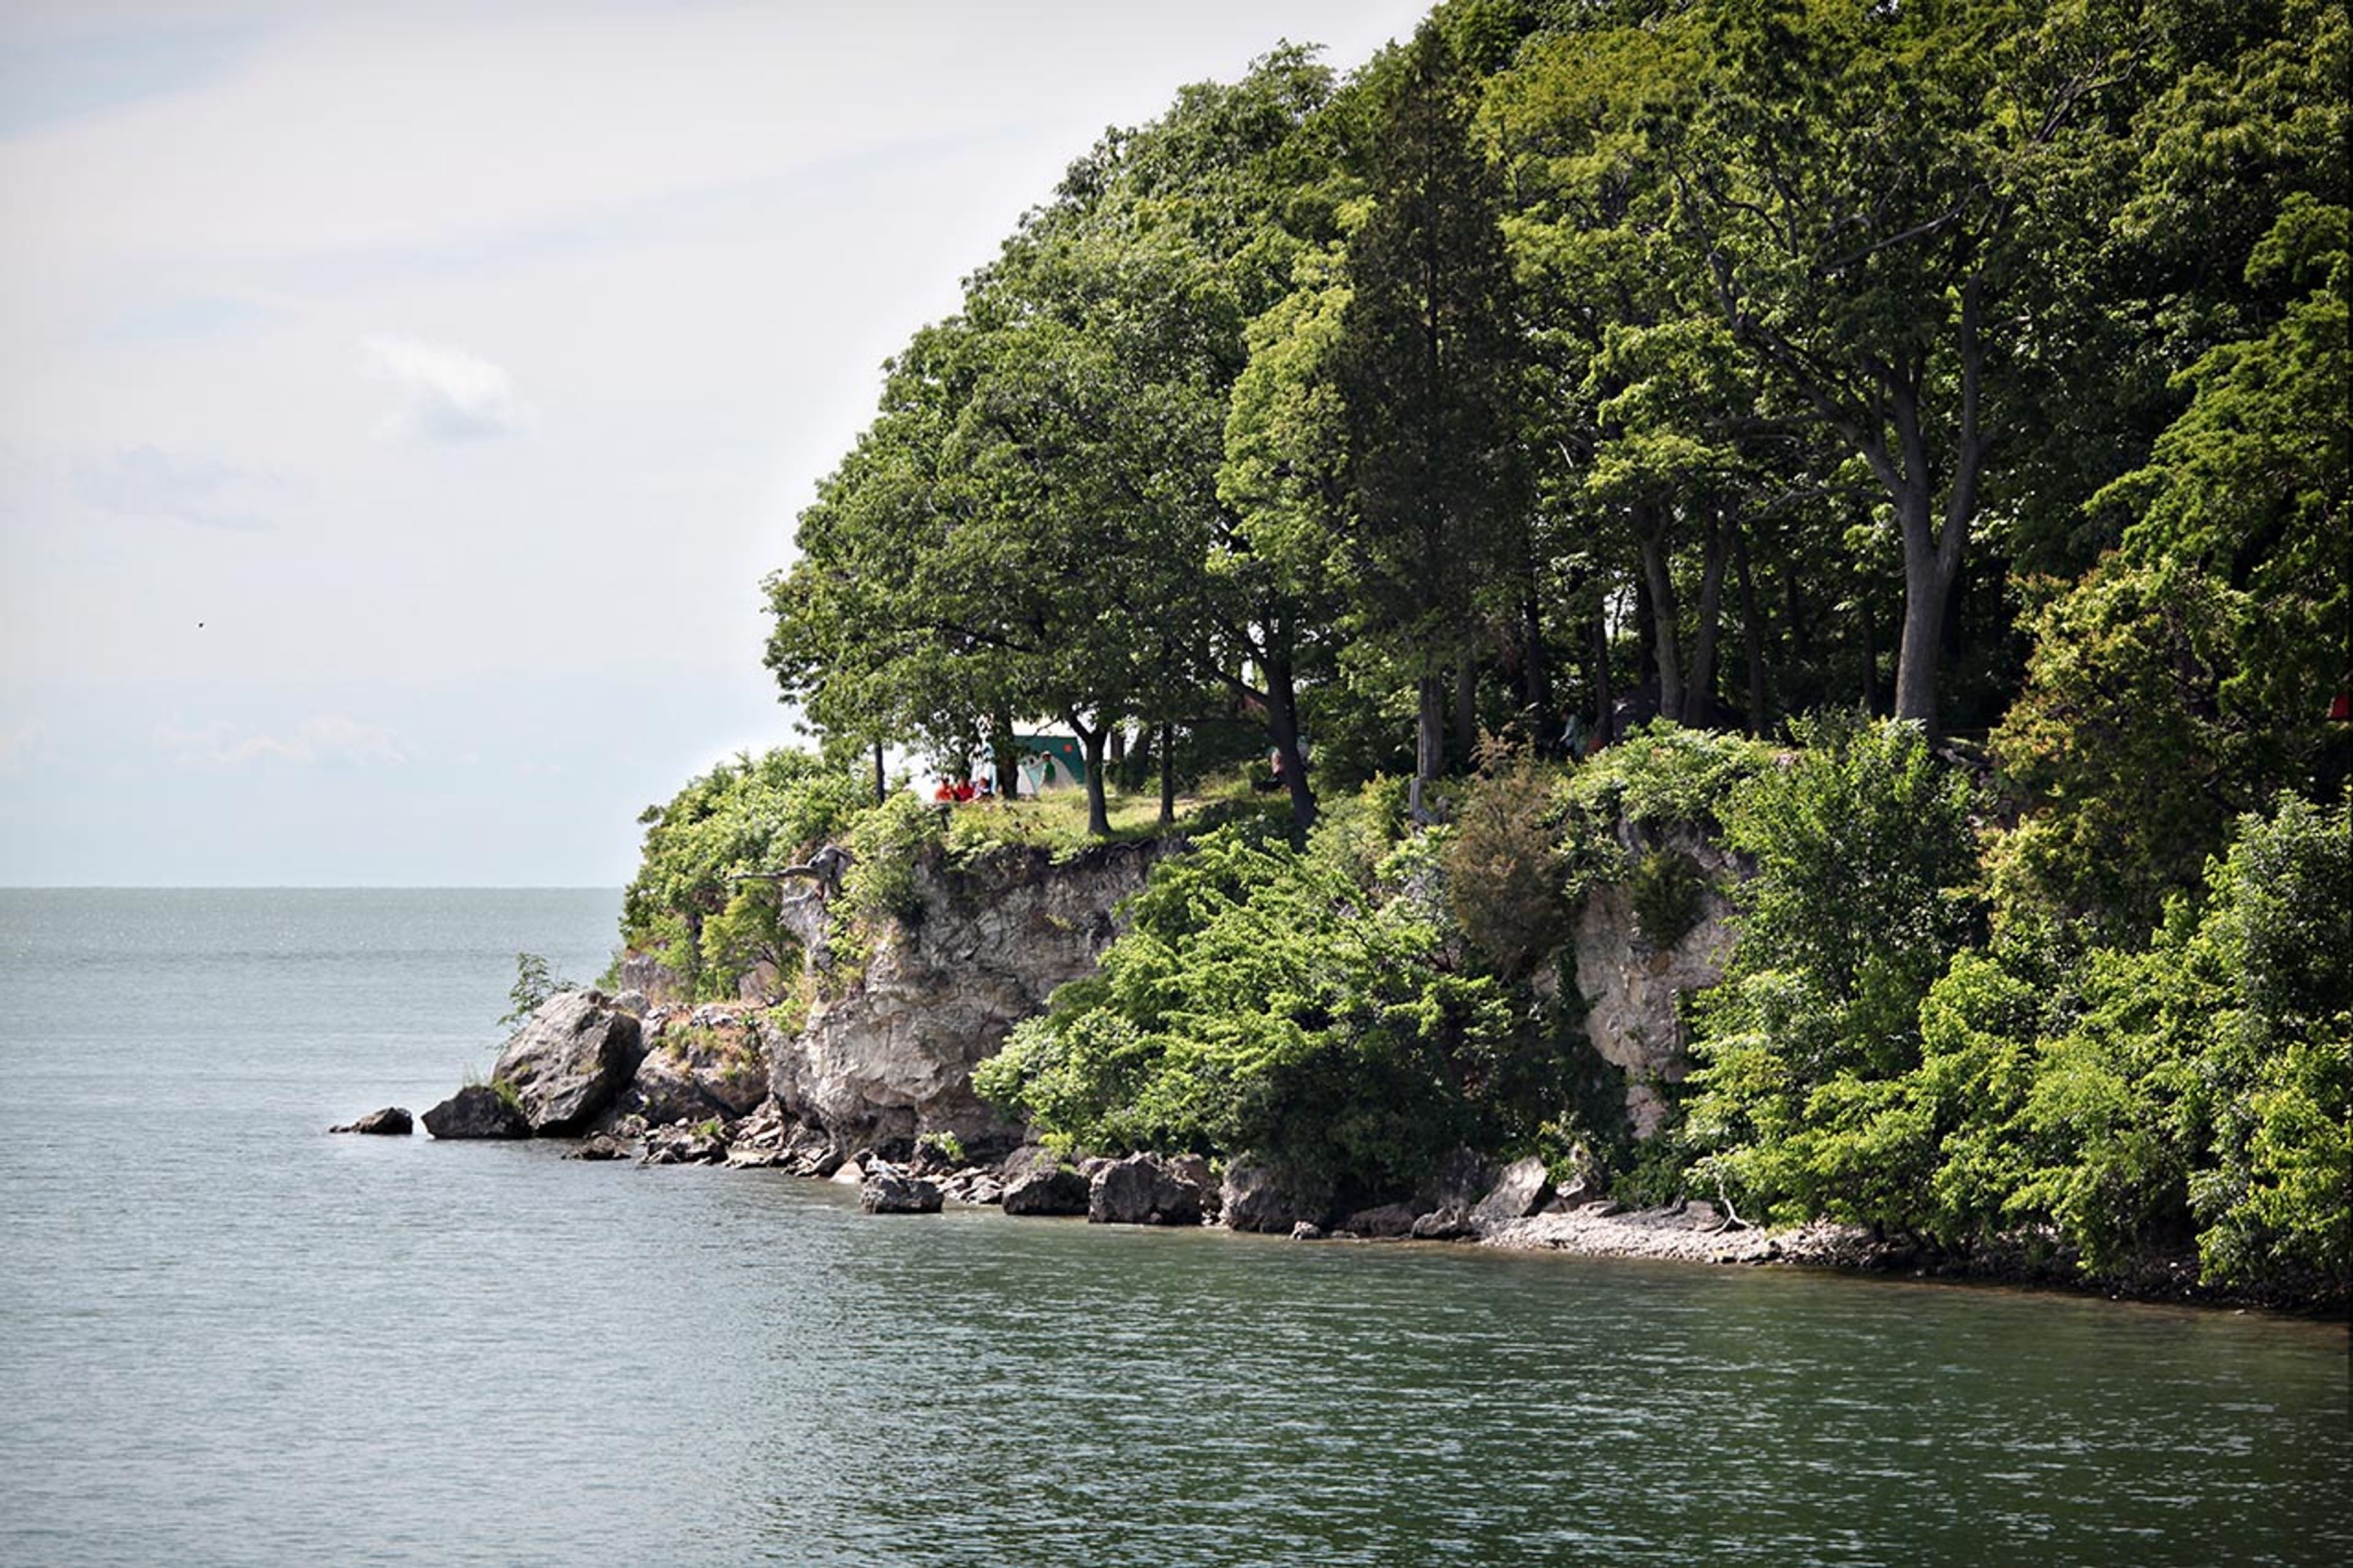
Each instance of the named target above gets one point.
<point>1633,986</point>
<point>893,1058</point>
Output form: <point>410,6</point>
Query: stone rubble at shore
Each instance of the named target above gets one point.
<point>667,1086</point>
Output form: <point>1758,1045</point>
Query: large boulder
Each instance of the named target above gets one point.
<point>1450,1223</point>
<point>568,1061</point>
<point>1518,1192</point>
<point>887,1189</point>
<point>1386,1222</point>
<point>391,1122</point>
<point>1460,1179</point>
<point>1266,1198</point>
<point>1143,1190</point>
<point>1037,1181</point>
<point>477,1110</point>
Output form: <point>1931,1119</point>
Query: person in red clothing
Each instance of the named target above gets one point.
<point>963,791</point>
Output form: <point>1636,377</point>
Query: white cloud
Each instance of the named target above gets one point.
<point>446,394</point>
<point>329,740</point>
<point>146,481</point>
<point>16,745</point>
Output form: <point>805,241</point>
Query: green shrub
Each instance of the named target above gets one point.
<point>1668,892</point>
<point>1861,845</point>
<point>1659,777</point>
<point>745,815</point>
<point>1503,868</point>
<point>534,982</point>
<point>1290,1004</point>
<point>2275,1202</point>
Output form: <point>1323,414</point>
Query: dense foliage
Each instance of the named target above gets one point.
<point>696,904</point>
<point>1721,358</point>
<point>1980,367</point>
<point>1309,1006</point>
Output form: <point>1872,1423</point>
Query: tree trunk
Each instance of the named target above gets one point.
<point>1660,584</point>
<point>1005,755</point>
<point>1466,710</point>
<point>1752,630</point>
<point>1429,740</point>
<point>1535,673</point>
<point>1605,711</point>
<point>1927,591</point>
<point>1699,701</point>
<point>1118,744</point>
<point>1290,750</point>
<point>1167,775</point>
<point>1090,742</point>
<point>881,787</point>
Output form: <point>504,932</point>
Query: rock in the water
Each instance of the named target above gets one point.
<point>600,1146</point>
<point>1386,1223</point>
<point>1307,1230</point>
<point>391,1122</point>
<point>477,1110</point>
<point>890,1190</point>
<point>568,1061</point>
<point>1141,1190</point>
<point>1037,1182</point>
<point>973,1185</point>
<point>687,1143</point>
<point>1452,1223</point>
<point>1262,1198</point>
<point>1517,1194</point>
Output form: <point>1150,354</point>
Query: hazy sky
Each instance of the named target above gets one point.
<point>400,403</point>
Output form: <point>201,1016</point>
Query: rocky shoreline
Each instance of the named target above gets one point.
<point>622,1078</point>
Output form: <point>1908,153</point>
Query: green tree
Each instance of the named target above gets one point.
<point>688,905</point>
<point>2129,751</point>
<point>1426,368</point>
<point>2275,1203</point>
<point>1862,183</point>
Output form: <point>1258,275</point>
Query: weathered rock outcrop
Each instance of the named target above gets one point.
<point>893,1058</point>
<point>1633,985</point>
<point>568,1061</point>
<point>1144,1189</point>
<point>1039,1181</point>
<point>477,1110</point>
<point>391,1122</point>
<point>695,1065</point>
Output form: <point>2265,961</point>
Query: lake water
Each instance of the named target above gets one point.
<point>227,1338</point>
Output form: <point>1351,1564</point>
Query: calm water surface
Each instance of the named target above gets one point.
<point>226,1338</point>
